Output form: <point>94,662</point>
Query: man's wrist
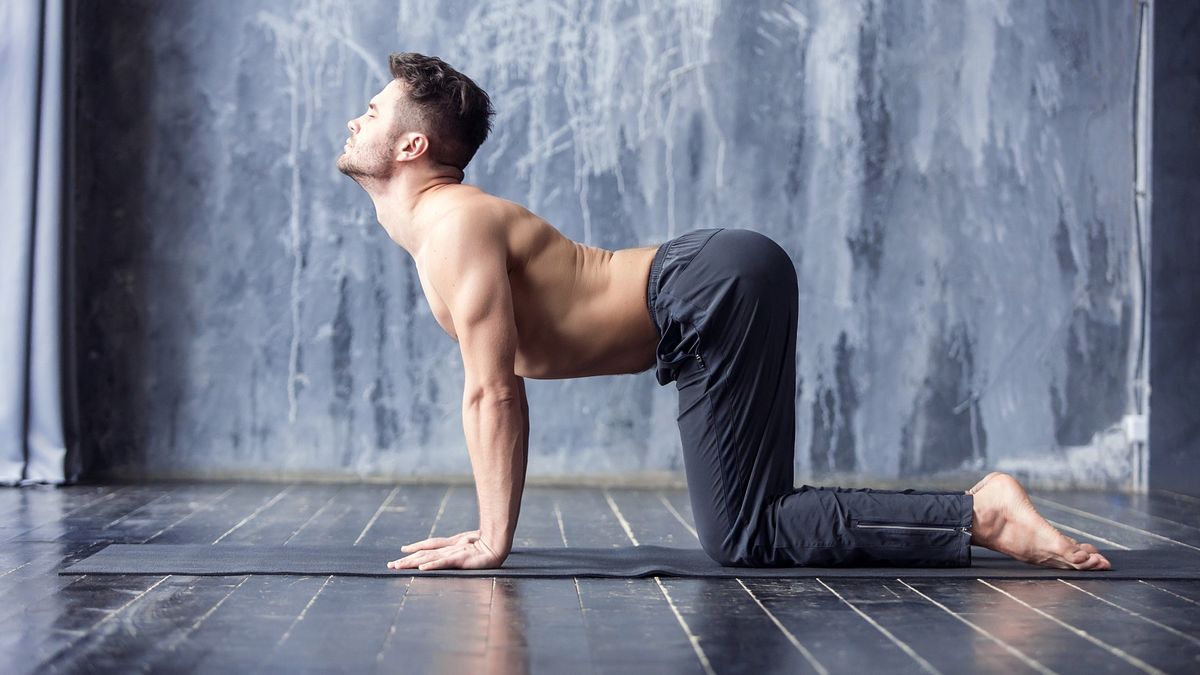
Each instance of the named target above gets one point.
<point>498,544</point>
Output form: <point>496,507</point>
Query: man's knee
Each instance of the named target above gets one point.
<point>725,551</point>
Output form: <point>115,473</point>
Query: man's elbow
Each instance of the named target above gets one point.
<point>496,393</point>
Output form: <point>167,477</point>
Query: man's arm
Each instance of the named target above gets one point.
<point>472,536</point>
<point>468,268</point>
<point>524,434</point>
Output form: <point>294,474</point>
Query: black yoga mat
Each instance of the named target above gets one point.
<point>635,561</point>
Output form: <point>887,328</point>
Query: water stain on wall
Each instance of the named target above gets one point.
<point>945,430</point>
<point>1093,395</point>
<point>834,410</point>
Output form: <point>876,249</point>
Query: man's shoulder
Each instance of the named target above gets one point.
<point>471,204</point>
<point>472,231</point>
<point>473,219</point>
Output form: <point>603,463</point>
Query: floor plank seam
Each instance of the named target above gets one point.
<point>904,646</point>
<point>1169,629</point>
<point>1021,656</point>
<point>1115,651</point>
<point>374,517</point>
<point>271,502</point>
<point>1164,590</point>
<point>1108,521</point>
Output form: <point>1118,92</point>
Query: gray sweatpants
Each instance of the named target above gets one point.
<point>725,303</point>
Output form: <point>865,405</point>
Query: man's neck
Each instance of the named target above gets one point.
<point>397,203</point>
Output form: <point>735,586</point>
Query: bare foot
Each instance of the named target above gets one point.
<point>1005,521</point>
<point>982,482</point>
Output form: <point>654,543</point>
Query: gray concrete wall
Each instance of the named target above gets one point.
<point>952,181</point>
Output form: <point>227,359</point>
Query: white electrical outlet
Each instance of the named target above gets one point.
<point>1136,428</point>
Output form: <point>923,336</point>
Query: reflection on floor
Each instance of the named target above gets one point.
<point>463,625</point>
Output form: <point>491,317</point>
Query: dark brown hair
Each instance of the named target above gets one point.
<point>453,111</point>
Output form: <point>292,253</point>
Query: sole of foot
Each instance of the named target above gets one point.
<point>1006,521</point>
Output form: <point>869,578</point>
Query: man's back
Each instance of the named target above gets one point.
<point>579,310</point>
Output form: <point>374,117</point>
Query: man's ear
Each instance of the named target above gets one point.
<point>412,146</point>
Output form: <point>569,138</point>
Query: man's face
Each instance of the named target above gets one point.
<point>369,150</point>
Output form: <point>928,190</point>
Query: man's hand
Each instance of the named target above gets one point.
<point>462,551</point>
<point>441,542</point>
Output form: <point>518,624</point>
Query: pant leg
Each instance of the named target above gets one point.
<point>830,527</point>
<point>747,287</point>
<point>728,324</point>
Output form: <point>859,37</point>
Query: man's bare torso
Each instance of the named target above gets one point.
<point>579,310</point>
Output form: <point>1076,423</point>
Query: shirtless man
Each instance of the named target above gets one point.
<point>718,319</point>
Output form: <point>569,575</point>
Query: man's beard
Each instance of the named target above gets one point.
<point>366,164</point>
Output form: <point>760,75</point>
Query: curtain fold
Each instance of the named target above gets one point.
<point>33,106</point>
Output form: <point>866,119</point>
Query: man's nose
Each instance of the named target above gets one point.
<point>352,126</point>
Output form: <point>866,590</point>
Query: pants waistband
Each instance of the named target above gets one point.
<point>652,286</point>
<point>679,250</point>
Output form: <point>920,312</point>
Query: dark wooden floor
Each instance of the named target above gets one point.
<point>52,623</point>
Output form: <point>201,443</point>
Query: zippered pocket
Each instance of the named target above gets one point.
<point>872,525</point>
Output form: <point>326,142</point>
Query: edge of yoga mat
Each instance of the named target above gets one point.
<point>636,561</point>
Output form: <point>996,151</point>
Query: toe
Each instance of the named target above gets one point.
<point>1089,548</point>
<point>1076,556</point>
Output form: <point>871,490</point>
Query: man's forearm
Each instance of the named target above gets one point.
<point>496,426</point>
<point>524,439</point>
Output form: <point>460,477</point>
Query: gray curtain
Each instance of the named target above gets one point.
<point>33,433</point>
